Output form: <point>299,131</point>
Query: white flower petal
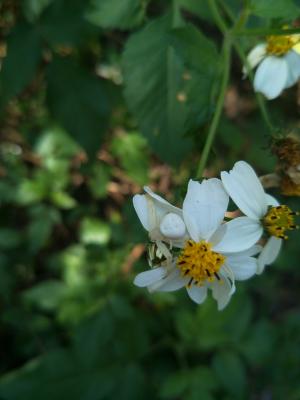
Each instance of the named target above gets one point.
<point>253,251</point>
<point>197,294</point>
<point>173,281</point>
<point>269,253</point>
<point>241,234</point>
<point>245,189</point>
<point>168,207</point>
<point>222,291</point>
<point>271,76</point>
<point>293,61</point>
<point>204,207</point>
<point>150,277</point>
<point>218,235</point>
<point>140,206</point>
<point>242,267</point>
<point>255,56</point>
<point>271,201</point>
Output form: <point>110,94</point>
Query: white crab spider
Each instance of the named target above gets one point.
<point>162,220</point>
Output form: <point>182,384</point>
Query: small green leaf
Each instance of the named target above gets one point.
<point>231,371</point>
<point>94,231</point>
<point>190,383</point>
<point>9,238</point>
<point>62,200</point>
<point>40,228</point>
<point>275,9</point>
<point>99,179</point>
<point>131,150</point>
<point>46,295</point>
<point>117,14</point>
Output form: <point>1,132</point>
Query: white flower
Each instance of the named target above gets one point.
<point>215,255</point>
<point>246,190</point>
<point>278,61</point>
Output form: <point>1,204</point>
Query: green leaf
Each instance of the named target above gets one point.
<point>131,150</point>
<point>275,9</point>
<point>200,8</point>
<point>63,23</point>
<point>78,100</point>
<point>197,51</point>
<point>200,57</point>
<point>62,200</point>
<point>185,383</point>
<point>46,295</point>
<point>55,143</point>
<point>117,14</point>
<point>21,62</point>
<point>98,180</point>
<point>40,228</point>
<point>231,371</point>
<point>153,76</point>
<point>259,343</point>
<point>9,238</point>
<point>94,231</point>
<point>33,8</point>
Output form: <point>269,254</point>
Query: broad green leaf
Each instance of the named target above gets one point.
<point>200,57</point>
<point>78,100</point>
<point>275,9</point>
<point>21,63</point>
<point>231,372</point>
<point>63,23</point>
<point>153,76</point>
<point>117,14</point>
<point>200,8</point>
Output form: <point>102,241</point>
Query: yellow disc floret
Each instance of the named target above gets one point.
<point>198,262</point>
<point>278,220</point>
<point>281,44</point>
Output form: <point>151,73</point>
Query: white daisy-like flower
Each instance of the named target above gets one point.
<point>278,61</point>
<point>246,190</point>
<point>215,254</point>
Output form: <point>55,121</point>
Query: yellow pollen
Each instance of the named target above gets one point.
<point>198,262</point>
<point>281,44</point>
<point>278,220</point>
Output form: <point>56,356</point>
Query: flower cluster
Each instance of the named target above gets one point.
<point>198,247</point>
<point>278,61</point>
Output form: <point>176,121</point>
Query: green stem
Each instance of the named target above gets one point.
<point>266,32</point>
<point>260,100</point>
<point>224,82</point>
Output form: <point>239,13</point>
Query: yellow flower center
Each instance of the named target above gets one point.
<point>198,262</point>
<point>280,45</point>
<point>278,220</point>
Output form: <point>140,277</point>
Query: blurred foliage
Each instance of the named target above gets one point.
<point>97,99</point>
